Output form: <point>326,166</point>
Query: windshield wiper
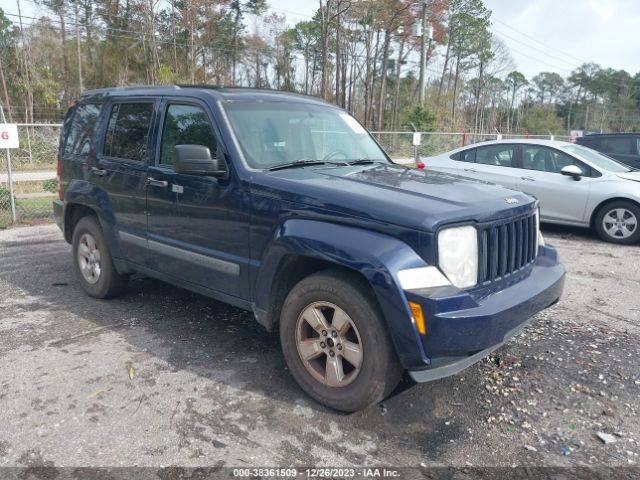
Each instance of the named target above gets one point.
<point>364,161</point>
<point>297,163</point>
<point>305,163</point>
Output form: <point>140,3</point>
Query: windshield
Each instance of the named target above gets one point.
<point>598,159</point>
<point>278,133</point>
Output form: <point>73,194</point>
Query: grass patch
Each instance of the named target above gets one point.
<point>28,210</point>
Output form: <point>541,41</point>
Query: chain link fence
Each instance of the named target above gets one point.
<point>33,168</point>
<point>33,165</point>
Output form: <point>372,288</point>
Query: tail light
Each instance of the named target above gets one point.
<point>59,172</point>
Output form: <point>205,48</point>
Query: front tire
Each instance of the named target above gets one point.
<point>618,222</point>
<point>335,342</point>
<point>92,261</point>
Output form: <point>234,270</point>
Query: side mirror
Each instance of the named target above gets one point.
<point>572,171</point>
<point>196,160</point>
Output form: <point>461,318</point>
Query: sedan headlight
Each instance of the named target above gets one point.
<point>458,255</point>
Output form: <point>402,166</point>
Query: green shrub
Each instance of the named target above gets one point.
<point>50,185</point>
<point>5,198</point>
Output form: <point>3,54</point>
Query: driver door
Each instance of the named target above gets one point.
<point>198,226</point>
<point>562,199</point>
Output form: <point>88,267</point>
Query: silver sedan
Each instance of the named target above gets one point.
<point>575,185</point>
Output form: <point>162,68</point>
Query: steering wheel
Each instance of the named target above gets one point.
<point>331,155</point>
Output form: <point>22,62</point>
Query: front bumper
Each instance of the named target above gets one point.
<point>462,330</point>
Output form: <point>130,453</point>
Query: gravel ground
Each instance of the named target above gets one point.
<point>163,377</point>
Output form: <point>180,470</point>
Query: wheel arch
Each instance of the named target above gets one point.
<point>301,247</point>
<point>73,213</point>
<point>292,269</point>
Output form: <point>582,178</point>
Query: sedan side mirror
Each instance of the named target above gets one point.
<point>196,160</point>
<point>572,171</point>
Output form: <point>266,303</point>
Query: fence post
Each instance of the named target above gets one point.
<point>464,137</point>
<point>11,193</point>
<point>12,198</point>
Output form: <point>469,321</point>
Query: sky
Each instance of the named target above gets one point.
<point>542,35</point>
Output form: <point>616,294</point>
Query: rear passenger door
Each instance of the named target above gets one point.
<point>496,163</point>
<point>121,170</point>
<point>198,226</point>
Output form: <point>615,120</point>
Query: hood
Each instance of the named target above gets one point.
<point>633,176</point>
<point>419,199</point>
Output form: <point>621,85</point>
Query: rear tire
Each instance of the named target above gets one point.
<point>92,261</point>
<point>619,222</point>
<point>335,342</point>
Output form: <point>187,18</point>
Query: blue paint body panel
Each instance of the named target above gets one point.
<point>227,238</point>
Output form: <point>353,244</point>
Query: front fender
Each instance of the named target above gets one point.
<point>87,194</point>
<point>376,256</point>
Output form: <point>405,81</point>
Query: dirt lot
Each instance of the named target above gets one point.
<point>209,386</point>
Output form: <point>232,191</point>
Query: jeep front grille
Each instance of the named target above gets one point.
<point>507,247</point>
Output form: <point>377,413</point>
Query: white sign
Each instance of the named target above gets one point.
<point>417,138</point>
<point>9,135</point>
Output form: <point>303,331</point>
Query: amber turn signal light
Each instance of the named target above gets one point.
<point>416,310</point>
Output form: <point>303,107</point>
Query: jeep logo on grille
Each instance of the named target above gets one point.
<point>511,200</point>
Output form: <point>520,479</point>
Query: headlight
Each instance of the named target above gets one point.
<point>458,255</point>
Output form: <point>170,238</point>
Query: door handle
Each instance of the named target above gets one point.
<point>531,179</point>
<point>157,183</point>
<point>470,170</point>
<point>98,171</point>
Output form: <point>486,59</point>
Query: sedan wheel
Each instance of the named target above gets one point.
<point>617,222</point>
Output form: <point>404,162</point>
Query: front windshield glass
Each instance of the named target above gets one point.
<point>599,160</point>
<point>278,133</point>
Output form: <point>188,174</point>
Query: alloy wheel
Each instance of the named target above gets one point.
<point>619,223</point>
<point>329,344</point>
<point>89,258</point>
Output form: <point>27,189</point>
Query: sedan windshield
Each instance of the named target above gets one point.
<point>281,133</point>
<point>597,159</point>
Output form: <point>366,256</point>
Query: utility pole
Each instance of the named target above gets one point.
<point>423,52</point>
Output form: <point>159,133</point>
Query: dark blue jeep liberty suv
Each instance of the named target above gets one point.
<point>285,206</point>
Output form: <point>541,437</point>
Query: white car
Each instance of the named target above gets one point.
<point>574,184</point>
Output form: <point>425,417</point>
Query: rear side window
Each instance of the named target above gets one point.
<point>185,125</point>
<point>465,156</point>
<point>79,136</point>
<point>128,131</point>
<point>499,155</point>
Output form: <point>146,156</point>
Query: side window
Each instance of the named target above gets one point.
<point>620,145</point>
<point>500,155</point>
<point>185,125</point>
<point>638,146</point>
<point>128,131</point>
<point>546,159</point>
<point>465,156</point>
<point>79,135</point>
